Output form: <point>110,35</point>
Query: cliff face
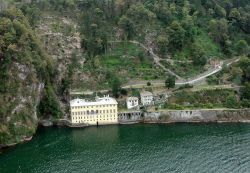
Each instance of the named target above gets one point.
<point>36,71</point>
<point>18,105</point>
<point>62,42</point>
<point>24,69</point>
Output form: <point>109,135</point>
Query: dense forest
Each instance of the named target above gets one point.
<point>187,33</point>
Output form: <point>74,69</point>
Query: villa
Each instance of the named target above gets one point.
<point>99,112</point>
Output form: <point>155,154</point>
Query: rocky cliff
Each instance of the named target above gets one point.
<point>25,70</point>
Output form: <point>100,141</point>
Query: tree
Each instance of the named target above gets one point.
<point>219,30</point>
<point>176,35</point>
<point>236,74</point>
<point>163,12</point>
<point>162,43</point>
<point>234,14</point>
<point>241,47</point>
<point>245,94</point>
<point>138,12</point>
<point>116,86</point>
<point>170,82</point>
<point>128,27</point>
<point>231,102</point>
<point>94,33</point>
<point>198,55</point>
<point>32,13</point>
<point>49,106</point>
<point>245,67</point>
<point>220,11</point>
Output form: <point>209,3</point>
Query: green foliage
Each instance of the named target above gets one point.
<point>185,86</point>
<point>242,47</point>
<point>32,12</point>
<point>204,99</point>
<point>94,35</point>
<point>176,35</point>
<point>116,86</point>
<point>135,92</point>
<point>128,27</point>
<point>245,67</point>
<point>170,82</point>
<point>18,44</point>
<point>198,55</point>
<point>49,105</point>
<point>232,102</point>
<point>125,60</point>
<point>246,92</point>
<point>162,43</point>
<point>219,30</point>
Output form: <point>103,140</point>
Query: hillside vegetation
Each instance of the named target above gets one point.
<point>48,48</point>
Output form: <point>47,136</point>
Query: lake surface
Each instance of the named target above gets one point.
<point>134,148</point>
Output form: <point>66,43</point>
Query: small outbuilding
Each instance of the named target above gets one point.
<point>147,98</point>
<point>132,102</point>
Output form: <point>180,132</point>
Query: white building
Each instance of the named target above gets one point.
<point>132,102</point>
<point>147,98</point>
<point>101,111</point>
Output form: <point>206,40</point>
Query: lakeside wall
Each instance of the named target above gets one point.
<point>168,116</point>
<point>203,115</point>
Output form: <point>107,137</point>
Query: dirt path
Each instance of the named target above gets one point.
<point>180,81</point>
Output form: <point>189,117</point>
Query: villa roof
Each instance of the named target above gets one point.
<point>99,101</point>
<point>132,98</point>
<point>145,93</point>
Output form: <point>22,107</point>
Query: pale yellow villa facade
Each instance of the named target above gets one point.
<point>101,111</point>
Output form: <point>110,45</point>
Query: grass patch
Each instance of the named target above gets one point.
<point>184,69</point>
<point>217,98</point>
<point>127,61</point>
<point>209,46</point>
<point>211,49</point>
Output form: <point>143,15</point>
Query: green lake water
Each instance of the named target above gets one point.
<point>134,148</point>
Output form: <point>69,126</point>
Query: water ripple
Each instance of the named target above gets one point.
<point>186,148</point>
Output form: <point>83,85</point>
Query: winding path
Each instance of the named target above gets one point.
<point>156,59</point>
<point>194,81</point>
<point>180,81</point>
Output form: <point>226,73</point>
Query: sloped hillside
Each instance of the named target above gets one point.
<point>25,70</point>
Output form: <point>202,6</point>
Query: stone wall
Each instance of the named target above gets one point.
<point>219,115</point>
<point>130,116</point>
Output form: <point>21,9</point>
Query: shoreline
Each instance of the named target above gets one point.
<point>197,116</point>
<point>12,145</point>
